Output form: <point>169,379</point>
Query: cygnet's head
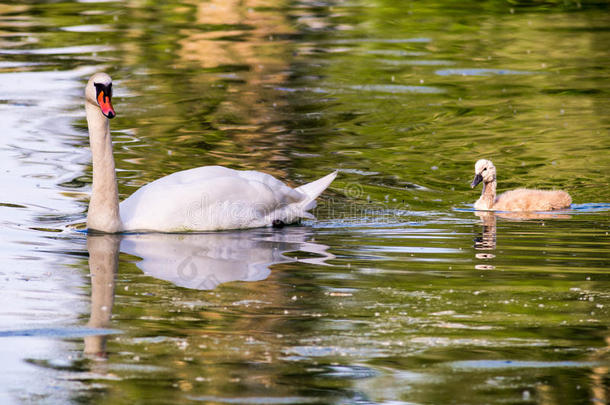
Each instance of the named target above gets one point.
<point>484,171</point>
<point>99,92</point>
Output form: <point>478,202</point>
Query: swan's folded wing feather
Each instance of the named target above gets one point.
<point>195,175</point>
<point>188,201</point>
<point>286,194</point>
<point>199,175</point>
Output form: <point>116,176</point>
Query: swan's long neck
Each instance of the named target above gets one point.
<point>488,195</point>
<point>103,212</point>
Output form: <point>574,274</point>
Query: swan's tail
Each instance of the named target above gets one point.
<point>314,189</point>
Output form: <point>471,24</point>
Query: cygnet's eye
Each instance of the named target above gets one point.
<point>484,169</point>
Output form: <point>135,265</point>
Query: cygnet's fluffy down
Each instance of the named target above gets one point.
<point>521,199</point>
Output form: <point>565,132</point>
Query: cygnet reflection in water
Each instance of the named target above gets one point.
<point>487,240</point>
<point>204,260</point>
<point>485,243</point>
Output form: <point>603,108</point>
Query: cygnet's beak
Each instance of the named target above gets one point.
<point>477,179</point>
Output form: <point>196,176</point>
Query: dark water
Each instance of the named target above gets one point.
<point>398,293</point>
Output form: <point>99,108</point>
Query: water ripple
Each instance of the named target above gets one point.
<point>396,88</point>
<point>82,49</point>
<point>480,72</point>
<point>517,364</point>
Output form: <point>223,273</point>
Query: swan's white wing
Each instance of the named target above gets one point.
<point>211,198</point>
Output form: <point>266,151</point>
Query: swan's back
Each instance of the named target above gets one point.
<point>523,199</point>
<point>215,198</point>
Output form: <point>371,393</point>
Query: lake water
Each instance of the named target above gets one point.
<point>398,293</point>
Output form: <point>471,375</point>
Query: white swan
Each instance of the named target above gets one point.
<point>521,199</point>
<point>201,199</point>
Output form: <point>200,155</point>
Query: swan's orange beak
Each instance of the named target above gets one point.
<point>103,100</point>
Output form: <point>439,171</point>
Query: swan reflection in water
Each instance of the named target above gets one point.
<point>103,264</point>
<point>195,260</point>
<point>485,243</point>
<point>203,261</point>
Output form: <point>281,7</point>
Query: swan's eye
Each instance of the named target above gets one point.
<point>101,87</point>
<point>484,169</point>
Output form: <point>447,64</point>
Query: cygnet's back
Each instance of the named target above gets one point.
<point>523,199</point>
